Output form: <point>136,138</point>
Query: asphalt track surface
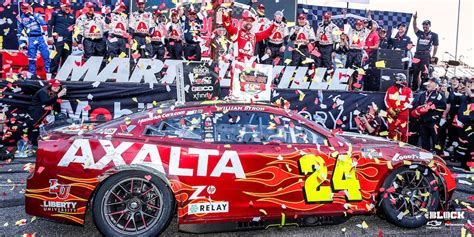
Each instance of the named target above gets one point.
<point>12,209</point>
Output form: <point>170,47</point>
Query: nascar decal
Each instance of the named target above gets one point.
<point>81,152</point>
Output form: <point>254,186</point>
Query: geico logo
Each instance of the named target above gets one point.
<point>202,88</point>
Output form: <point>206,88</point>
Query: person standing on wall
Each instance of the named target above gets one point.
<point>326,40</point>
<point>192,36</point>
<point>427,41</point>
<point>60,29</point>
<point>30,37</point>
<point>357,38</point>
<point>175,36</point>
<point>262,23</point>
<point>302,36</point>
<point>91,32</point>
<point>277,42</point>
<point>383,43</point>
<point>157,36</point>
<point>118,35</point>
<point>141,24</point>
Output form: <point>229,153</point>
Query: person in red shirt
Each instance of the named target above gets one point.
<point>372,42</point>
<point>398,101</point>
<point>244,38</point>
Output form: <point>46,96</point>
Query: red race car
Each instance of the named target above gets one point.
<point>229,166</point>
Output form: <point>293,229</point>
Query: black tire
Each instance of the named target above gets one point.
<point>407,197</point>
<point>148,195</point>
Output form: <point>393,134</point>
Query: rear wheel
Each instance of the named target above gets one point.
<point>409,193</point>
<point>133,203</point>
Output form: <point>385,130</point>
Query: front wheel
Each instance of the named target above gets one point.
<point>133,203</point>
<point>409,193</point>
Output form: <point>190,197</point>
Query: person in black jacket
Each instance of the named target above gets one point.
<point>192,36</point>
<point>428,110</point>
<point>465,150</point>
<point>44,101</point>
<point>60,29</point>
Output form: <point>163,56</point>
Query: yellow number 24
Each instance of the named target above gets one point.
<point>343,178</point>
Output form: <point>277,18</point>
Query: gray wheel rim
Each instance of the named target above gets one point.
<point>132,206</point>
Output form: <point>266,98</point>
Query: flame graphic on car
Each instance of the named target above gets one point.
<point>44,195</point>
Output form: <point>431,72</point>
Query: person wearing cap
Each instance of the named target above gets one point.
<point>141,24</point>
<point>175,36</point>
<point>428,109</point>
<point>302,36</point>
<point>398,99</point>
<point>244,38</point>
<point>427,41</point>
<point>157,36</point>
<point>383,43</point>
<point>465,150</point>
<point>326,40</point>
<point>91,29</point>
<point>401,39</point>
<point>118,35</point>
<point>277,41</point>
<point>372,41</point>
<point>192,36</point>
<point>60,29</point>
<point>357,39</point>
<point>262,23</point>
<point>43,103</point>
<point>30,36</point>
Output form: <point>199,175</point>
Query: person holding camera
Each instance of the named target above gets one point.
<point>45,101</point>
<point>429,108</point>
<point>370,122</point>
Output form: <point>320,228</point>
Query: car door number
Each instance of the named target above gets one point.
<point>343,178</point>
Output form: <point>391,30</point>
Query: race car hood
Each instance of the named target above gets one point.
<point>385,148</point>
<point>367,141</point>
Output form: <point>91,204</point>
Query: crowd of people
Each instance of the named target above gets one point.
<point>110,34</point>
<point>440,119</point>
<point>439,116</point>
<point>144,34</point>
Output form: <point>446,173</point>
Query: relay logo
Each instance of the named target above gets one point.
<point>208,207</point>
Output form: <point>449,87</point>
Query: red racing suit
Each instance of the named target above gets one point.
<point>398,103</point>
<point>245,40</point>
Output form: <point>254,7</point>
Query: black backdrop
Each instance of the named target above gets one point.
<point>93,101</point>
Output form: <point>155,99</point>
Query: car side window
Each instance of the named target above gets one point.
<point>253,127</point>
<point>187,127</point>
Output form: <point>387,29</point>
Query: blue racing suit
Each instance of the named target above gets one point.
<point>30,32</point>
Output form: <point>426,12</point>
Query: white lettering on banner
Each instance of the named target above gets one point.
<point>80,112</point>
<point>118,70</point>
<point>114,154</point>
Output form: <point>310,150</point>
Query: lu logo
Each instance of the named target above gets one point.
<point>61,190</point>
